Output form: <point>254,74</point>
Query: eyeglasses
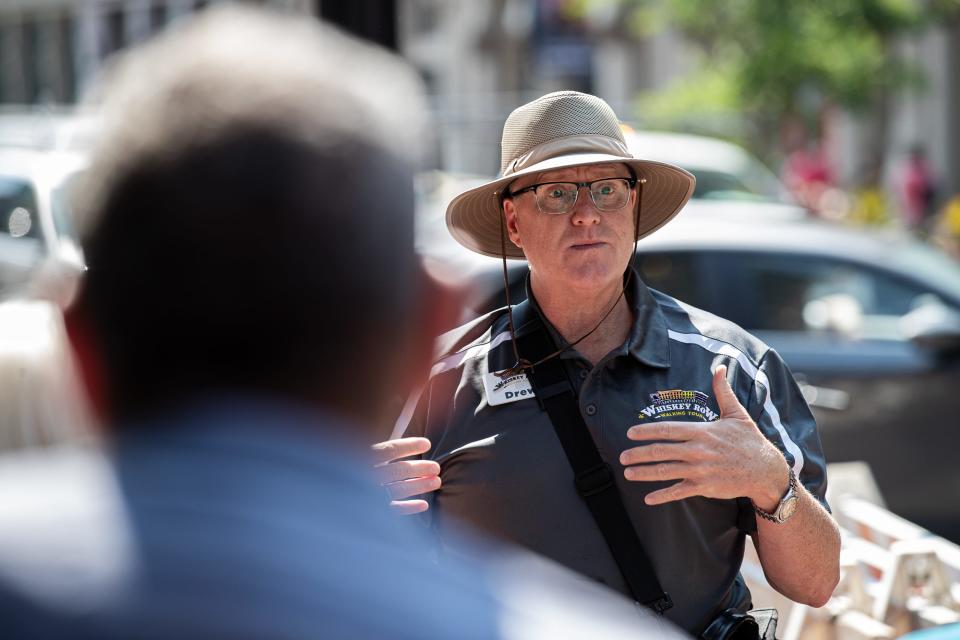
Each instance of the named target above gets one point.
<point>556,198</point>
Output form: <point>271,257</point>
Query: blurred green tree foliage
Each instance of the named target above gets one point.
<point>766,62</point>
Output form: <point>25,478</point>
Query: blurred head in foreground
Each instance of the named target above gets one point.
<point>247,221</point>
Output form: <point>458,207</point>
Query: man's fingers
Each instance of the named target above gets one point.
<point>384,452</point>
<point>409,507</point>
<point>405,478</point>
<point>726,398</point>
<point>405,470</point>
<point>658,452</point>
<point>656,472</point>
<point>679,491</point>
<point>678,431</point>
<point>413,487</point>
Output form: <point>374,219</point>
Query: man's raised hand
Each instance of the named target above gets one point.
<point>727,458</point>
<point>404,479</point>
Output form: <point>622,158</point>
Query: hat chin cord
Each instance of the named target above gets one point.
<point>522,364</point>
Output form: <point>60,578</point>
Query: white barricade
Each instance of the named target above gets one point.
<point>895,576</point>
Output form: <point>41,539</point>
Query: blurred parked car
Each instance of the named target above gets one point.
<point>35,226</point>
<point>724,171</point>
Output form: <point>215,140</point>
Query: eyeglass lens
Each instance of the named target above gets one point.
<point>560,197</point>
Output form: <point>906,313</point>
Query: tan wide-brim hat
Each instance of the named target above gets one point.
<point>560,130</point>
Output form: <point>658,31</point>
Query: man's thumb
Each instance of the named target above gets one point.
<point>726,399</point>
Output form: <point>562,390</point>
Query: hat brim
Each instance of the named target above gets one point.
<point>473,217</point>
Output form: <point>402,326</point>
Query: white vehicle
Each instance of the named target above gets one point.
<point>35,220</point>
<point>724,171</point>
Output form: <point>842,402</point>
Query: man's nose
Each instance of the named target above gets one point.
<point>584,210</point>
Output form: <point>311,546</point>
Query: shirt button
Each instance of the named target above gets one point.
<point>591,409</point>
<point>583,374</point>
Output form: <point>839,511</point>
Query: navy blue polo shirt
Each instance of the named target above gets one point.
<point>505,472</point>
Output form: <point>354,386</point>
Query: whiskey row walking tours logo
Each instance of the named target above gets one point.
<point>678,403</point>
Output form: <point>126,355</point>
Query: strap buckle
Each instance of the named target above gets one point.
<point>662,603</point>
<point>594,480</point>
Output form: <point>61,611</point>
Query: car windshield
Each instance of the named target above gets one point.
<point>724,171</point>
<point>719,185</point>
<point>929,264</point>
<point>18,208</point>
<point>60,200</point>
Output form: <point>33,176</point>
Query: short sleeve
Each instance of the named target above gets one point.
<point>778,407</point>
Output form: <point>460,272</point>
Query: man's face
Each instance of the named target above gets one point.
<point>584,249</point>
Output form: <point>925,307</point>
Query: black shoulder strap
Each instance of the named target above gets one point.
<point>592,476</point>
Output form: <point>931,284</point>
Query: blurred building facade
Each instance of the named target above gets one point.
<point>51,49</point>
<point>480,59</point>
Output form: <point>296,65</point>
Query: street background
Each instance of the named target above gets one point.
<point>826,144</point>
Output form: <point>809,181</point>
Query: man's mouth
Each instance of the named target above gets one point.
<point>583,246</point>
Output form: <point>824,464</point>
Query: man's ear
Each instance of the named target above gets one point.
<point>87,352</point>
<point>510,218</point>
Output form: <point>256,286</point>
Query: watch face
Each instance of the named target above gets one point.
<point>788,507</point>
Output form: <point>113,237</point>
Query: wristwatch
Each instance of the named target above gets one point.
<point>788,503</point>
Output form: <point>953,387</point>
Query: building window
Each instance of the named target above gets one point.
<point>65,34</point>
<point>115,27</point>
<point>158,16</point>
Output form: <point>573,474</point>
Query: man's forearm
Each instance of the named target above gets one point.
<point>801,557</point>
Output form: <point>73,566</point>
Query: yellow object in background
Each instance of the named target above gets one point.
<point>951,216</point>
<point>870,207</point>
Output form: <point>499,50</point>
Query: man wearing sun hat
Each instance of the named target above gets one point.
<point>698,426</point>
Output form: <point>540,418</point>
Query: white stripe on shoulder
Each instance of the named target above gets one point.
<point>447,363</point>
<point>726,349</point>
<point>454,360</point>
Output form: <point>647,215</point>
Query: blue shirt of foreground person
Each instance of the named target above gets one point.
<point>208,525</point>
<point>232,517</point>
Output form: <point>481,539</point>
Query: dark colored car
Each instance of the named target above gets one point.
<point>868,322</point>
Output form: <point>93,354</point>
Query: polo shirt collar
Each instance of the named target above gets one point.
<point>647,342</point>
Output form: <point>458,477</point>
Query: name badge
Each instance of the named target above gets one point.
<point>503,390</point>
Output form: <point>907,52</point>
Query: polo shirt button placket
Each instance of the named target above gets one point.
<point>583,374</point>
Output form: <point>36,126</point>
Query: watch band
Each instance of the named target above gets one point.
<point>793,488</point>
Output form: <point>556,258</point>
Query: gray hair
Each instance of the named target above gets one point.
<point>248,218</point>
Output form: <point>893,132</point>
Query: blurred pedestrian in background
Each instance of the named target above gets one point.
<point>807,175</point>
<point>918,190</point>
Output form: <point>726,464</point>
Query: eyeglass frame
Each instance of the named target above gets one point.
<point>631,181</point>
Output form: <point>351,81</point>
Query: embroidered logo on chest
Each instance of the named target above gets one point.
<point>503,390</point>
<point>678,403</point>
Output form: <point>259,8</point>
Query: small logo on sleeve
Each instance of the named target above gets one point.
<point>678,403</point>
